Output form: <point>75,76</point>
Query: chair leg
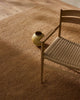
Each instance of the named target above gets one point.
<point>42,61</point>
<point>42,69</point>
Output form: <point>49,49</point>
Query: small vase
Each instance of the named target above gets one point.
<point>37,36</point>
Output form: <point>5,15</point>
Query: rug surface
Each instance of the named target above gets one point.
<point>20,58</point>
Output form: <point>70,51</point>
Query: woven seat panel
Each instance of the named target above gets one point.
<point>64,52</point>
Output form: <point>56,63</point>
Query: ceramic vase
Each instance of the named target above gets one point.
<point>37,36</point>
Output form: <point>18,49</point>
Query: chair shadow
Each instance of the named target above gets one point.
<point>76,70</point>
<point>45,46</point>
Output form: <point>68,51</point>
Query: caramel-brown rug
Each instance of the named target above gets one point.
<point>20,58</point>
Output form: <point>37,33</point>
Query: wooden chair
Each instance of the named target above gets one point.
<point>62,51</point>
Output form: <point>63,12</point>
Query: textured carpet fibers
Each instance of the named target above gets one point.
<point>20,58</point>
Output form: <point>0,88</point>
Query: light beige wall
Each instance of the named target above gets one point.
<point>73,2</point>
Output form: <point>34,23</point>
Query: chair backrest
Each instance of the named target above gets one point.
<point>69,16</point>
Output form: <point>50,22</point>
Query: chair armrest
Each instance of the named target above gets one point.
<point>49,34</point>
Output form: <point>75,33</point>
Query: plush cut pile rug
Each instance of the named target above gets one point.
<point>20,58</point>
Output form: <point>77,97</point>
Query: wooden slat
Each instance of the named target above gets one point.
<point>59,34</point>
<point>49,34</point>
<point>71,13</point>
<point>71,20</point>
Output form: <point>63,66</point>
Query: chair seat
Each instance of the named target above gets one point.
<point>64,52</point>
